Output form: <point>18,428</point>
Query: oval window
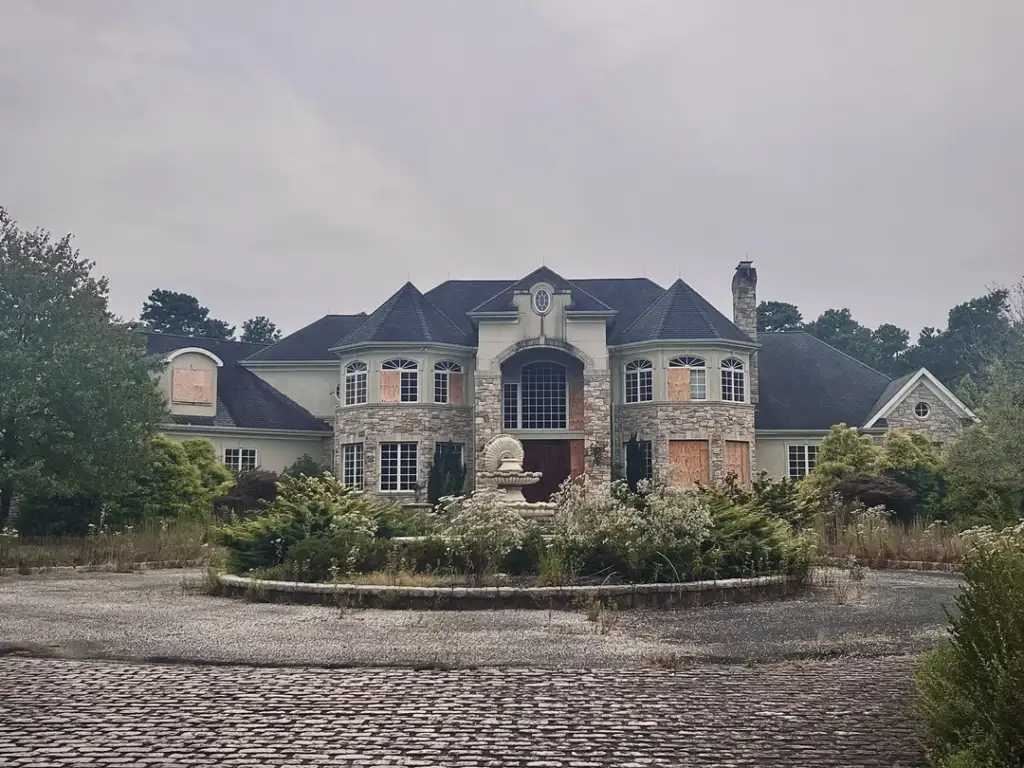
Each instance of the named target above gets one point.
<point>541,301</point>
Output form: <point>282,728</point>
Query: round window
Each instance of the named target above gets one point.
<point>541,301</point>
<point>921,410</point>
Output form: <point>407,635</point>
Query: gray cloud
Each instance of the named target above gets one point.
<point>294,158</point>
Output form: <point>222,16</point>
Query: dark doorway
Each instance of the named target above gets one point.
<point>553,459</point>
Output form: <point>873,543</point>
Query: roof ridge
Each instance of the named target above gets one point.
<point>696,301</point>
<point>841,352</point>
<point>643,314</point>
<point>440,312</point>
<point>204,338</point>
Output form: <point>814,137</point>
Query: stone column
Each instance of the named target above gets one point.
<point>597,419</point>
<point>487,413</point>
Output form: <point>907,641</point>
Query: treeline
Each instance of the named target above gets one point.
<point>182,314</point>
<point>976,333</point>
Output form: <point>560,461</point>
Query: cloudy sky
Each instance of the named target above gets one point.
<point>297,158</point>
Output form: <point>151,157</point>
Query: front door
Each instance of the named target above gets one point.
<point>550,457</point>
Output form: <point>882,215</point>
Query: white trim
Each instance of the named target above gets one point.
<point>224,457</point>
<point>936,386</point>
<point>282,434</point>
<point>197,351</point>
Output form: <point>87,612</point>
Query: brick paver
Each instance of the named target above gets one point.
<point>849,713</point>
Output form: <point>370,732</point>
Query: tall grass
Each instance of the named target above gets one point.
<point>873,538</point>
<point>166,542</point>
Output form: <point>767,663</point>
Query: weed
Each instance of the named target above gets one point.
<point>207,583</point>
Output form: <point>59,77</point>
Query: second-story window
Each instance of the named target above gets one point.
<point>399,381</point>
<point>691,379</point>
<point>733,381</point>
<point>355,383</point>
<point>448,386</point>
<point>639,381</point>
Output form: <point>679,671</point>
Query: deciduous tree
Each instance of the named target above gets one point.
<point>78,402</point>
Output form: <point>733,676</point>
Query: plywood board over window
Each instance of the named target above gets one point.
<point>190,387</point>
<point>390,386</point>
<point>456,388</point>
<point>689,463</point>
<point>737,460</point>
<point>576,412</point>
<point>576,458</point>
<point>679,385</point>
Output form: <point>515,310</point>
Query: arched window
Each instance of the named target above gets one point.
<point>399,381</point>
<point>697,373</point>
<point>448,382</point>
<point>355,383</point>
<point>543,396</point>
<point>733,382</point>
<point>639,381</point>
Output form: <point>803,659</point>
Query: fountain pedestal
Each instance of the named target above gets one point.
<point>503,466</point>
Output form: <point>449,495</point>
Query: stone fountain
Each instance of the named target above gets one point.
<point>503,467</point>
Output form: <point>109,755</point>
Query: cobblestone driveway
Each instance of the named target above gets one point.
<point>850,713</point>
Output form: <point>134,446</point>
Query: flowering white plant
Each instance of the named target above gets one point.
<point>482,527</point>
<point>590,513</point>
<point>985,538</point>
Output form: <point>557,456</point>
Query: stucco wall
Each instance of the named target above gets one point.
<point>661,422</point>
<point>273,453</point>
<point>194,361</point>
<point>312,387</point>
<point>942,424</point>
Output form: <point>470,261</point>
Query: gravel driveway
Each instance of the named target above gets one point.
<point>85,679</point>
<point>147,615</point>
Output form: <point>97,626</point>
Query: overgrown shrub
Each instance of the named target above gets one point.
<point>878,491</point>
<point>744,540</point>
<point>972,689</point>
<point>250,495</point>
<point>776,497</point>
<point>305,508</point>
<point>44,515</point>
<point>482,528</point>
<point>305,465</point>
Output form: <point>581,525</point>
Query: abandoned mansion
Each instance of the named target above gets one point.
<point>572,368</point>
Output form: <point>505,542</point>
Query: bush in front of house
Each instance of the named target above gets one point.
<point>250,495</point>
<point>971,690</point>
<point>305,508</point>
<point>481,528</point>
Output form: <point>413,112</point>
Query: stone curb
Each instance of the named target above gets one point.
<point>894,565</point>
<point>675,595</point>
<point>155,565</point>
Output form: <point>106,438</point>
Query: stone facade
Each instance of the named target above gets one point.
<point>744,314</point>
<point>941,425</point>
<point>487,418</point>
<point>597,399</point>
<point>662,422</point>
<point>424,424</point>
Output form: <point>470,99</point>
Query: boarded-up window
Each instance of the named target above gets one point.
<point>689,463</point>
<point>390,386</point>
<point>679,385</point>
<point>577,465</point>
<point>576,414</point>
<point>456,388</point>
<point>737,461</point>
<point>190,387</point>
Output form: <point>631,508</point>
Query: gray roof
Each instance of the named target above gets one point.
<point>888,393</point>
<point>803,383</point>
<point>312,342</point>
<point>243,398</point>
<point>582,301</point>
<point>680,313</point>
<point>407,316</point>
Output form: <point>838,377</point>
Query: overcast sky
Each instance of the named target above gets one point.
<point>293,158</point>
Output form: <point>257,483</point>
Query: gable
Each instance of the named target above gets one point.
<point>581,300</point>
<point>919,387</point>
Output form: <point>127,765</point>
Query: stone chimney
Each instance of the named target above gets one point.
<point>744,312</point>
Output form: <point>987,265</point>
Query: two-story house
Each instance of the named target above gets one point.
<point>573,368</point>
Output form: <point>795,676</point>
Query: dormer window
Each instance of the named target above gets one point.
<point>399,381</point>
<point>355,383</point>
<point>639,381</point>
<point>542,301</point>
<point>733,381</point>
